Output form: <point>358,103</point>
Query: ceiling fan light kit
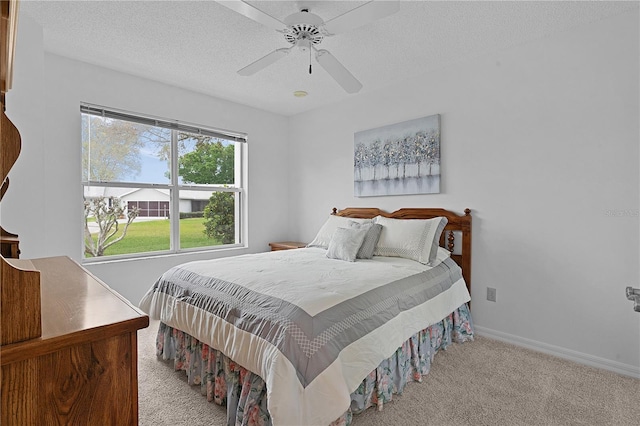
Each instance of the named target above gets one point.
<point>306,30</point>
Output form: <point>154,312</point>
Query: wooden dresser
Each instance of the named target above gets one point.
<point>83,369</point>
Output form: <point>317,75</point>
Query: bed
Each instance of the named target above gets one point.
<point>313,335</point>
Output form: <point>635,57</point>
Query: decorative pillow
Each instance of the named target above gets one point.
<point>416,239</point>
<point>345,243</point>
<point>370,239</point>
<point>325,233</point>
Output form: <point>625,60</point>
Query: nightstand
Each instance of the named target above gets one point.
<point>286,245</point>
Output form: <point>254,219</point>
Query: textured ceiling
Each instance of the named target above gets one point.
<point>199,45</point>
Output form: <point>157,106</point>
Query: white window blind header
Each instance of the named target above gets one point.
<point>162,122</point>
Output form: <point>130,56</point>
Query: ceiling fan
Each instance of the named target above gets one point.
<point>306,30</point>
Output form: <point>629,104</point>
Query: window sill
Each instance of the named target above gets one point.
<point>119,259</point>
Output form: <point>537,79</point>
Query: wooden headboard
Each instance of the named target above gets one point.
<point>456,224</point>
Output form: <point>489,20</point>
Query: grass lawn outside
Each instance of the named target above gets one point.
<point>154,235</point>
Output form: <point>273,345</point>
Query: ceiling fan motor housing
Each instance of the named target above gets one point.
<point>303,29</point>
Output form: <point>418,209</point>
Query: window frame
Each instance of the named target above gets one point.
<point>174,186</point>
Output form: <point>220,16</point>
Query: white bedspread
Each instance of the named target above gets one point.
<point>310,282</point>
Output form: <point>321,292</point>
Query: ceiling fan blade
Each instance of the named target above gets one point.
<point>361,15</point>
<point>253,13</point>
<point>264,62</point>
<point>336,70</point>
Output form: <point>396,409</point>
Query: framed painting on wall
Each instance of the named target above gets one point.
<point>401,158</point>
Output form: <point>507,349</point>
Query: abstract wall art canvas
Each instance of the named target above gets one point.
<point>401,158</point>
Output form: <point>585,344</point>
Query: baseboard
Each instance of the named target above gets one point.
<point>560,352</point>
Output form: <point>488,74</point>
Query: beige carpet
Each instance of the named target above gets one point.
<point>484,382</point>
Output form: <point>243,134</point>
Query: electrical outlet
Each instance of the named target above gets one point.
<point>491,294</point>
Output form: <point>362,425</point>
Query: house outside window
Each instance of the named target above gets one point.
<point>150,208</point>
<point>158,186</point>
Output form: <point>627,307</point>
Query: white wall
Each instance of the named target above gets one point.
<point>44,202</point>
<point>541,142</point>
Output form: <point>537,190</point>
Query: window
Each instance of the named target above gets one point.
<point>158,186</point>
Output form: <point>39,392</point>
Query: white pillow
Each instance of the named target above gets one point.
<point>442,254</point>
<point>334,222</point>
<point>416,239</point>
<point>345,243</point>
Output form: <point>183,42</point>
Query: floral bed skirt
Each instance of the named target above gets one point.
<point>245,395</point>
